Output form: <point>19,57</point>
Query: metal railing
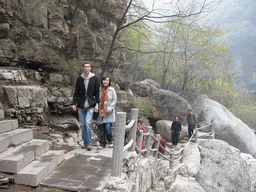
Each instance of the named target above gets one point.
<point>135,143</point>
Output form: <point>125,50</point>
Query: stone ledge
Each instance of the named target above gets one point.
<point>38,170</point>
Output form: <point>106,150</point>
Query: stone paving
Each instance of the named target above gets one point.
<point>82,170</point>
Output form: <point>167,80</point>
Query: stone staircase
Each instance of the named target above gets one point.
<point>29,160</point>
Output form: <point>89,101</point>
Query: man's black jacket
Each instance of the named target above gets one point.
<point>92,92</point>
<point>176,126</point>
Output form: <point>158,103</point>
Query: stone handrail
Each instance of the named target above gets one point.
<point>119,148</point>
<point>135,143</point>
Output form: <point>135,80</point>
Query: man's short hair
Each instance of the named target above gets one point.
<point>86,62</point>
<point>139,121</point>
<point>190,110</point>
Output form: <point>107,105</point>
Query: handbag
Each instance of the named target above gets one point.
<point>95,115</point>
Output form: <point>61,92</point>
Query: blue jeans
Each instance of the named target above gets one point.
<point>85,120</point>
<point>105,133</point>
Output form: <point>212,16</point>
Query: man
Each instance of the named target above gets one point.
<point>191,121</point>
<point>175,131</point>
<point>143,129</point>
<point>86,99</point>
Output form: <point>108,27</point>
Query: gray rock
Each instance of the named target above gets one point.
<point>144,88</point>
<point>56,78</point>
<point>168,105</point>
<point>191,159</point>
<point>185,184</point>
<point>64,122</point>
<point>4,29</point>
<point>25,96</point>
<point>163,127</point>
<point>251,167</point>
<point>222,168</point>
<point>226,125</point>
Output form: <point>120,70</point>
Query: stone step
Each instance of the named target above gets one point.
<point>15,137</point>
<point>8,125</point>
<point>34,173</point>
<point>1,114</point>
<point>14,159</point>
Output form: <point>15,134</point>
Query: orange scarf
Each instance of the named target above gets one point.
<point>104,101</point>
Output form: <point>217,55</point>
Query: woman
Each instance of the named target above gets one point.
<point>106,116</point>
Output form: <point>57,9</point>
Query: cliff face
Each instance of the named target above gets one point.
<point>55,34</point>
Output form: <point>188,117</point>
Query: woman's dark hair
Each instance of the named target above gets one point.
<point>105,77</point>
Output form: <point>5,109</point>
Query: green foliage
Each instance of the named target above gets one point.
<point>143,104</point>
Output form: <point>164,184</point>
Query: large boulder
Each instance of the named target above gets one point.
<point>251,166</point>
<point>222,168</point>
<point>163,127</point>
<point>191,159</point>
<point>144,88</point>
<point>169,105</point>
<point>226,125</point>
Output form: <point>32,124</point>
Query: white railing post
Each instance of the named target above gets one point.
<point>195,135</point>
<point>132,132</point>
<point>211,128</point>
<point>182,152</point>
<point>172,158</point>
<point>139,141</point>
<point>157,143</point>
<point>147,145</point>
<point>117,156</point>
<point>149,129</point>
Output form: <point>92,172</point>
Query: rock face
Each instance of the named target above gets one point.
<point>54,35</point>
<point>27,103</point>
<point>222,168</point>
<point>227,127</point>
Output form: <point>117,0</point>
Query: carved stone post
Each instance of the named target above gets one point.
<point>139,142</point>
<point>147,145</point>
<point>195,135</point>
<point>117,157</point>
<point>211,128</point>
<point>172,158</point>
<point>157,143</point>
<point>132,132</point>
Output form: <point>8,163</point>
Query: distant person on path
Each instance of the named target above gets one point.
<point>106,116</point>
<point>175,131</point>
<point>144,131</point>
<point>191,122</point>
<point>86,99</point>
<point>163,143</point>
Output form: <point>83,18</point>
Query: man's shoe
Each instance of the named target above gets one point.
<point>101,147</point>
<point>84,146</point>
<point>89,148</point>
<point>111,145</point>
